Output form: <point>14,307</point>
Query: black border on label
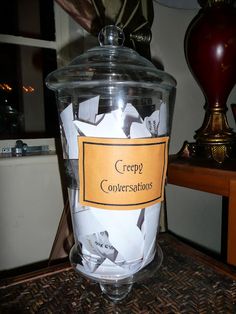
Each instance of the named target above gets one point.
<point>111,144</point>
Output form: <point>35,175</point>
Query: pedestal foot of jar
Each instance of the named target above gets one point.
<point>116,292</point>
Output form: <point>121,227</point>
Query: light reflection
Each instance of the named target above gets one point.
<point>5,87</point>
<point>219,51</point>
<point>26,89</point>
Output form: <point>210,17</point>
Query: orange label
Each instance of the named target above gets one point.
<point>122,173</point>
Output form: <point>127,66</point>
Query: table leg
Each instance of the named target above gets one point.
<point>231,247</point>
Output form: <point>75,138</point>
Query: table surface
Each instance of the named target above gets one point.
<point>219,180</point>
<point>201,176</point>
<point>187,282</point>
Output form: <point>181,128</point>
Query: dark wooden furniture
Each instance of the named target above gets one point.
<point>219,180</point>
<point>187,282</point>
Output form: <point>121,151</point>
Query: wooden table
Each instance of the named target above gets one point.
<point>187,282</point>
<point>218,180</point>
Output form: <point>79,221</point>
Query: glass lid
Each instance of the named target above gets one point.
<point>109,64</point>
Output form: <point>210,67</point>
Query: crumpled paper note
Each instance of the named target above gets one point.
<point>114,243</point>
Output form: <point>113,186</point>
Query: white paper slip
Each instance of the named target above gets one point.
<point>70,131</point>
<point>131,112</point>
<point>150,227</point>
<point>152,122</point>
<point>107,270</point>
<point>122,218</point>
<point>85,223</point>
<point>129,243</point>
<point>99,244</point>
<point>123,232</point>
<point>106,128</point>
<point>162,128</point>
<point>99,118</point>
<point>88,110</point>
<point>129,115</point>
<point>150,254</point>
<point>139,130</point>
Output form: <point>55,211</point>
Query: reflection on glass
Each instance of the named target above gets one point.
<point>27,108</point>
<point>23,96</point>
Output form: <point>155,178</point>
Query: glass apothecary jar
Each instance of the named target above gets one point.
<point>115,112</point>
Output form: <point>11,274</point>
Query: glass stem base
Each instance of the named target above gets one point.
<point>116,292</point>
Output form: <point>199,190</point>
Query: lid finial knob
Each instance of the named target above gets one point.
<point>111,35</point>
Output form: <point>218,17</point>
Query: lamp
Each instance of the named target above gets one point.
<point>210,50</point>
